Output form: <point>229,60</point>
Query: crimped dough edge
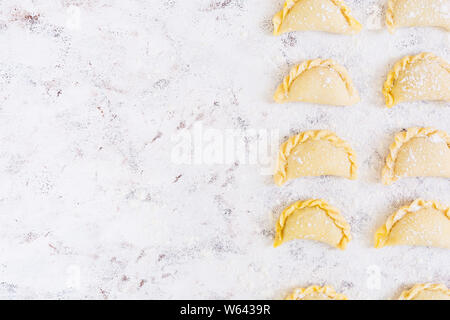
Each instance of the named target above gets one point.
<point>330,211</point>
<point>296,71</point>
<point>401,65</point>
<point>281,15</point>
<point>299,293</point>
<point>390,16</point>
<point>388,176</point>
<point>390,20</point>
<point>280,176</point>
<point>418,288</point>
<point>382,234</point>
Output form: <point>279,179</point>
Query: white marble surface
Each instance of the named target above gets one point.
<point>92,201</point>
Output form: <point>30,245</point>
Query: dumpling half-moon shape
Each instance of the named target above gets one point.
<point>418,152</point>
<point>318,81</point>
<point>313,219</point>
<point>316,293</point>
<point>418,13</point>
<point>421,77</point>
<point>315,153</point>
<point>428,291</point>
<point>315,15</point>
<point>422,223</point>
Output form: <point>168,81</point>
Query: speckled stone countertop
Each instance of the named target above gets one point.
<point>98,97</point>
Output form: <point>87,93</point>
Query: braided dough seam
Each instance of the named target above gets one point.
<point>330,211</point>
<point>390,15</point>
<point>418,288</point>
<point>296,71</point>
<point>390,20</point>
<point>299,293</point>
<point>278,19</point>
<point>401,65</point>
<point>280,176</point>
<point>387,175</point>
<point>382,234</point>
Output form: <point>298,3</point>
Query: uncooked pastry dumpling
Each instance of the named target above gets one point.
<point>316,293</point>
<point>312,219</point>
<point>420,77</point>
<point>418,152</point>
<point>418,13</point>
<point>315,15</point>
<point>318,81</point>
<point>422,223</point>
<point>315,153</point>
<point>428,291</point>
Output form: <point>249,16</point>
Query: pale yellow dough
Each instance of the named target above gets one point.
<point>315,153</point>
<point>312,219</point>
<point>422,223</point>
<point>318,81</point>
<point>418,152</point>
<point>315,293</point>
<point>420,77</point>
<point>418,13</point>
<point>428,291</point>
<point>316,15</point>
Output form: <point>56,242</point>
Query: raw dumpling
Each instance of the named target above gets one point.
<point>418,13</point>
<point>422,223</point>
<point>315,153</point>
<point>317,15</point>
<point>427,291</point>
<point>418,152</point>
<point>421,77</point>
<point>318,81</point>
<point>316,293</point>
<point>313,219</point>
